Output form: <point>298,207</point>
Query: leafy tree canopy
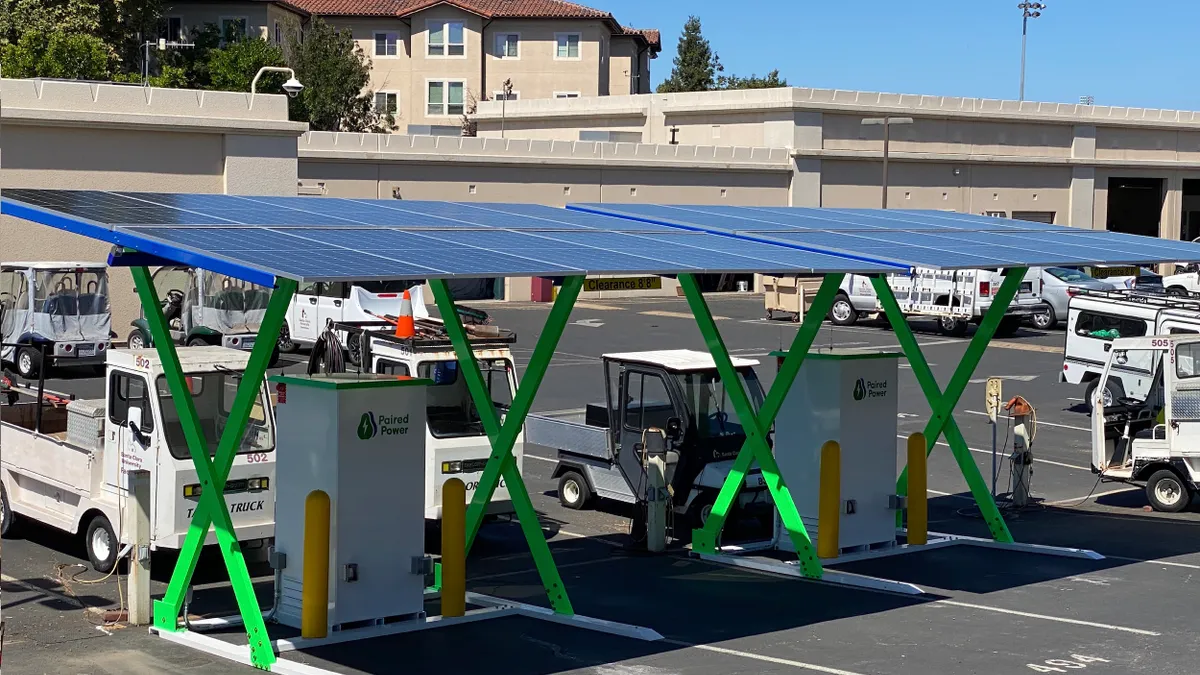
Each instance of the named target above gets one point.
<point>697,67</point>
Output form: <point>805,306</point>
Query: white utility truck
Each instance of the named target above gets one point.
<point>70,473</point>
<point>1184,282</point>
<point>952,297</point>
<point>456,445</point>
<point>1096,318</point>
<point>1154,438</point>
<point>600,451</point>
<point>315,305</point>
<point>56,310</point>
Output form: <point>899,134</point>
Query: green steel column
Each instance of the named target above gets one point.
<point>941,403</point>
<point>212,508</point>
<point>705,540</point>
<point>756,429</point>
<point>503,436</point>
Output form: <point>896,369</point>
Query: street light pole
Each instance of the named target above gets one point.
<point>1029,10</point>
<point>887,123</point>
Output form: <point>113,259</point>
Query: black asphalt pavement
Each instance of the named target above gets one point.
<point>986,611</point>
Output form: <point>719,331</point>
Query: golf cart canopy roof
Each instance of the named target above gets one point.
<point>53,265</point>
<point>679,360</point>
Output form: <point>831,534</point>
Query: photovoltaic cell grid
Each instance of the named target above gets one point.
<point>330,239</point>
<point>914,238</point>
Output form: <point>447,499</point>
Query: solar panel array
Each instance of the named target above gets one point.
<point>331,239</point>
<point>937,239</point>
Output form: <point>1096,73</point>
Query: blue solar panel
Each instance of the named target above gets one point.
<point>913,238</point>
<point>329,239</point>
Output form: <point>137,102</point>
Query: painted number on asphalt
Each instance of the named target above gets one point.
<point>1076,662</point>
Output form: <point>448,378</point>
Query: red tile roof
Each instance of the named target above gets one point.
<point>490,9</point>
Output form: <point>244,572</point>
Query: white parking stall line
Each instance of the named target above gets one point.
<point>1094,495</point>
<point>1168,563</point>
<point>1047,617</point>
<point>1039,461</point>
<point>763,658</point>
<point>1039,422</point>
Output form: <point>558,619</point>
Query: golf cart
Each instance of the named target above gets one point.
<point>206,308</point>
<point>1156,440</point>
<point>54,314</point>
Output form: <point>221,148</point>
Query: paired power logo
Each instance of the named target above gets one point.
<point>864,388</point>
<point>367,427</point>
<point>860,389</point>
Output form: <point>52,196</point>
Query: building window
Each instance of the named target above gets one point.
<point>385,44</point>
<point>445,97</point>
<point>234,27</point>
<point>446,38</point>
<point>500,96</point>
<point>172,28</point>
<point>278,33</point>
<point>996,214</point>
<point>508,46</point>
<point>567,46</point>
<point>566,94</point>
<point>387,102</point>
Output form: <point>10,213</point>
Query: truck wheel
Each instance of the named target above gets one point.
<point>7,517</point>
<point>842,313</point>
<point>573,491</point>
<point>354,348</point>
<point>700,509</point>
<point>1008,326</point>
<point>197,341</point>
<point>1113,391</point>
<point>951,326</point>
<point>137,340</point>
<point>1178,291</point>
<point>1168,492</point>
<point>29,362</point>
<point>286,344</point>
<point>102,544</point>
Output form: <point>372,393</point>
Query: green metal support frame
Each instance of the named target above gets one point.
<point>503,435</point>
<point>942,403</point>
<point>755,447</point>
<point>212,510</point>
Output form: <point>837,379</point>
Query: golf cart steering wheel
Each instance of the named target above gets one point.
<point>174,295</point>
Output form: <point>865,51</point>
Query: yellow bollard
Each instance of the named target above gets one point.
<point>918,495</point>
<point>314,596</point>
<point>829,510</point>
<point>454,545</point>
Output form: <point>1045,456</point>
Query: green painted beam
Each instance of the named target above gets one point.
<point>211,509</point>
<point>503,434</point>
<point>942,403</point>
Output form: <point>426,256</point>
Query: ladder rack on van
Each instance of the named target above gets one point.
<point>430,334</point>
<point>1143,298</point>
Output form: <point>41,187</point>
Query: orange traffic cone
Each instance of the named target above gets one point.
<point>404,323</point>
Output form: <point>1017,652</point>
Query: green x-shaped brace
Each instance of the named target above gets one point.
<point>502,435</point>
<point>942,403</point>
<point>755,447</point>
<point>211,509</point>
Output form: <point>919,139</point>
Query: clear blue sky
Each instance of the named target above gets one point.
<point>1140,53</point>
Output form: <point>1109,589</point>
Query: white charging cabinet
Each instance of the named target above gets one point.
<point>848,396</point>
<point>361,439</point>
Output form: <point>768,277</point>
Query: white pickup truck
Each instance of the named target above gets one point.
<point>952,297</point>
<point>70,472</point>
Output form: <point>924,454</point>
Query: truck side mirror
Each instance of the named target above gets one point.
<point>674,428</point>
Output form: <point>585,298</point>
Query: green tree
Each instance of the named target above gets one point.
<point>336,74</point>
<point>768,81</point>
<point>696,64</point>
<point>56,54</point>
<point>233,67</point>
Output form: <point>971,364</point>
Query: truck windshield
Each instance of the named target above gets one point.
<point>450,410</point>
<point>708,402</point>
<point>213,394</point>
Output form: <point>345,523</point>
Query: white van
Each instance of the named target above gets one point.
<point>1096,318</point>
<point>952,297</point>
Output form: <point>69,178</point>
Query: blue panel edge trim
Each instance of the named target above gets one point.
<point>743,237</point>
<point>118,258</point>
<point>93,231</point>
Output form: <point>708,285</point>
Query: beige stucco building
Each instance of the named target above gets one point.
<point>431,59</point>
<point>1128,169</point>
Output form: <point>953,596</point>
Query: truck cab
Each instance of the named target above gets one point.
<point>66,465</point>
<point>1152,439</point>
<point>602,454</point>
<point>456,444</point>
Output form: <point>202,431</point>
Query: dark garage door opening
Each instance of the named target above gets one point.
<point>1135,205</point>
<point>1190,229</point>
